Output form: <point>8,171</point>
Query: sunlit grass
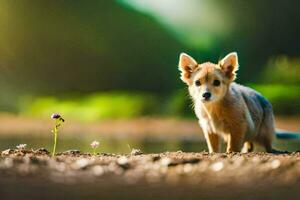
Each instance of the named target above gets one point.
<point>106,105</point>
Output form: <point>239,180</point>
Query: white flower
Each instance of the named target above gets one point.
<point>95,144</point>
<point>21,146</point>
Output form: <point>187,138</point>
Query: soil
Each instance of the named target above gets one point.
<point>33,174</point>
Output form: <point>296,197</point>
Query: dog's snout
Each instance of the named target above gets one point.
<point>206,95</point>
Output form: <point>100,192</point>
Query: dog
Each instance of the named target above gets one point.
<point>225,109</point>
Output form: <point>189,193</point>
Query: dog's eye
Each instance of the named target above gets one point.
<point>197,83</point>
<point>216,82</point>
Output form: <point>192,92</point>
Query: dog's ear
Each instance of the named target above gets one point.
<point>187,66</point>
<point>229,65</point>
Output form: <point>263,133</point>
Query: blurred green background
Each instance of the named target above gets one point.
<point>93,60</point>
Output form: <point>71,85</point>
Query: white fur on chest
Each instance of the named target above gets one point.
<point>208,122</point>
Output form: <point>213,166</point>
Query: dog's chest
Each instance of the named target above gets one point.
<point>212,122</point>
<point>213,125</point>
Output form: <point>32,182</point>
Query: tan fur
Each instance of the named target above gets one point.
<point>238,114</point>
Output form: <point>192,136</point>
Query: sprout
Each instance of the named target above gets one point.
<point>21,146</point>
<point>58,120</point>
<point>95,145</point>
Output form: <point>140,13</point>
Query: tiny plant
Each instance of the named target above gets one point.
<point>58,120</point>
<point>21,146</point>
<point>95,145</point>
<point>134,151</point>
<point>129,147</point>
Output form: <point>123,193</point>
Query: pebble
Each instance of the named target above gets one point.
<point>165,161</point>
<point>8,162</point>
<point>7,152</point>
<point>217,166</point>
<point>72,151</point>
<point>111,167</point>
<point>275,164</point>
<point>256,159</point>
<point>187,168</point>
<point>98,170</point>
<point>81,163</point>
<point>136,152</point>
<point>61,167</point>
<point>42,151</point>
<point>123,160</point>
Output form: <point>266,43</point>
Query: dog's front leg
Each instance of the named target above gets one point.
<point>234,142</point>
<point>213,142</point>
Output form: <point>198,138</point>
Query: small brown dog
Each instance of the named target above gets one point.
<point>238,114</point>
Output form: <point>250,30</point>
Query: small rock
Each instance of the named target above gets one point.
<point>165,161</point>
<point>123,162</point>
<point>275,164</point>
<point>8,162</point>
<point>72,152</point>
<point>7,152</point>
<point>42,151</point>
<point>217,166</point>
<point>61,167</point>
<point>156,158</point>
<point>187,168</point>
<point>26,159</point>
<point>136,152</point>
<point>256,160</point>
<point>98,170</point>
<point>112,167</point>
<point>81,163</point>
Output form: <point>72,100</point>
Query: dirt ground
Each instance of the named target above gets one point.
<point>29,174</point>
<point>33,174</point>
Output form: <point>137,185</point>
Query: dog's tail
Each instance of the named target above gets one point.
<point>283,134</point>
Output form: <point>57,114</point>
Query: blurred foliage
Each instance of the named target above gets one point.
<point>281,84</point>
<point>109,105</point>
<point>282,70</point>
<point>53,47</point>
<point>179,104</point>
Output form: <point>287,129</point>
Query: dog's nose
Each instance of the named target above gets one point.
<point>206,95</point>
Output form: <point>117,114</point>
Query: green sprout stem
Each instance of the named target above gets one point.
<point>94,151</point>
<point>55,132</point>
